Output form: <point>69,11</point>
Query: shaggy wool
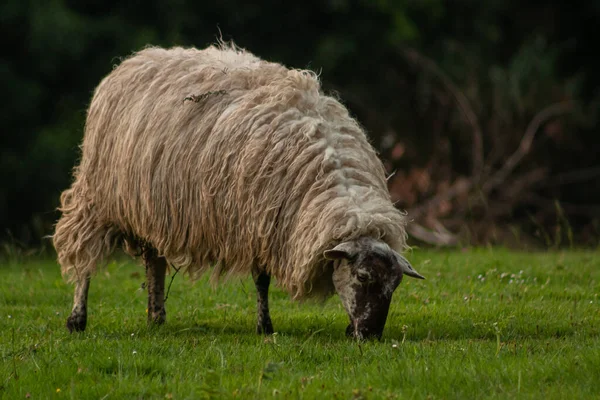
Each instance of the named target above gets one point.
<point>222,162</point>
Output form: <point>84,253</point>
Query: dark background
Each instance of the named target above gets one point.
<point>445,89</point>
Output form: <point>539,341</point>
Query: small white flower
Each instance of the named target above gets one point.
<point>10,316</point>
<point>394,346</point>
<point>134,352</point>
<point>132,334</point>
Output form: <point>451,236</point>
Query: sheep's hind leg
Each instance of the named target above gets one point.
<point>156,268</point>
<point>78,318</point>
<point>262,281</point>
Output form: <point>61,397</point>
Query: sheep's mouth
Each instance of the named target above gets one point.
<point>363,333</point>
<point>369,323</point>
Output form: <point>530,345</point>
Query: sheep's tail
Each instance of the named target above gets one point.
<point>81,240</point>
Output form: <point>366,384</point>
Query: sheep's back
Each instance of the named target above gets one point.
<point>258,166</point>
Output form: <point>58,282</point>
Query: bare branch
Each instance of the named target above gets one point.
<point>459,187</point>
<point>572,177</point>
<point>589,210</point>
<point>526,142</point>
<point>197,98</point>
<point>432,237</point>
<point>516,186</point>
<point>463,104</point>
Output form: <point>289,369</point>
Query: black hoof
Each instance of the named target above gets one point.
<point>265,329</point>
<point>157,319</point>
<point>76,323</point>
<point>350,330</point>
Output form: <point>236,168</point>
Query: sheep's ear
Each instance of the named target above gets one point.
<point>344,250</point>
<point>406,268</point>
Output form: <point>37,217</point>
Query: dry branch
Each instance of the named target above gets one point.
<point>459,187</point>
<point>526,142</point>
<point>197,98</point>
<point>439,238</point>
<point>587,210</point>
<point>463,104</point>
<point>500,177</point>
<point>515,188</point>
<point>579,175</point>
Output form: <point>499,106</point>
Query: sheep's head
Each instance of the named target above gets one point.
<point>366,272</point>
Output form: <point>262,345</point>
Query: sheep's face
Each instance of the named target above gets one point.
<point>366,273</point>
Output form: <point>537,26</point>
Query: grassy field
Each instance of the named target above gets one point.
<point>486,323</point>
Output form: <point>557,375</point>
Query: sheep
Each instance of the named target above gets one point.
<point>216,160</point>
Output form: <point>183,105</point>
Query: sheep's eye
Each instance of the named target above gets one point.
<point>363,277</point>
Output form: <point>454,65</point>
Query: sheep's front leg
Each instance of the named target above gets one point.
<point>78,318</point>
<point>156,268</point>
<point>262,282</point>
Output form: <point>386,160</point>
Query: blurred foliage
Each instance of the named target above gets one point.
<point>509,58</point>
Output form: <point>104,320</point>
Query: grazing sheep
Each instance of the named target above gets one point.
<point>216,159</point>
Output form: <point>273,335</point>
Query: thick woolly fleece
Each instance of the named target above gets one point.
<point>257,168</point>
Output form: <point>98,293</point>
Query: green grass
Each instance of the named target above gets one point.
<point>486,323</point>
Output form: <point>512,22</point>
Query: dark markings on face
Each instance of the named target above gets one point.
<point>365,284</point>
<point>373,289</point>
<point>366,272</point>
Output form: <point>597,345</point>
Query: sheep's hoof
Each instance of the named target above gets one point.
<point>76,322</point>
<point>157,318</point>
<point>350,330</point>
<point>266,328</point>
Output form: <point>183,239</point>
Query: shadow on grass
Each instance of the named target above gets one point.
<point>182,330</point>
<point>334,331</point>
<point>466,329</point>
